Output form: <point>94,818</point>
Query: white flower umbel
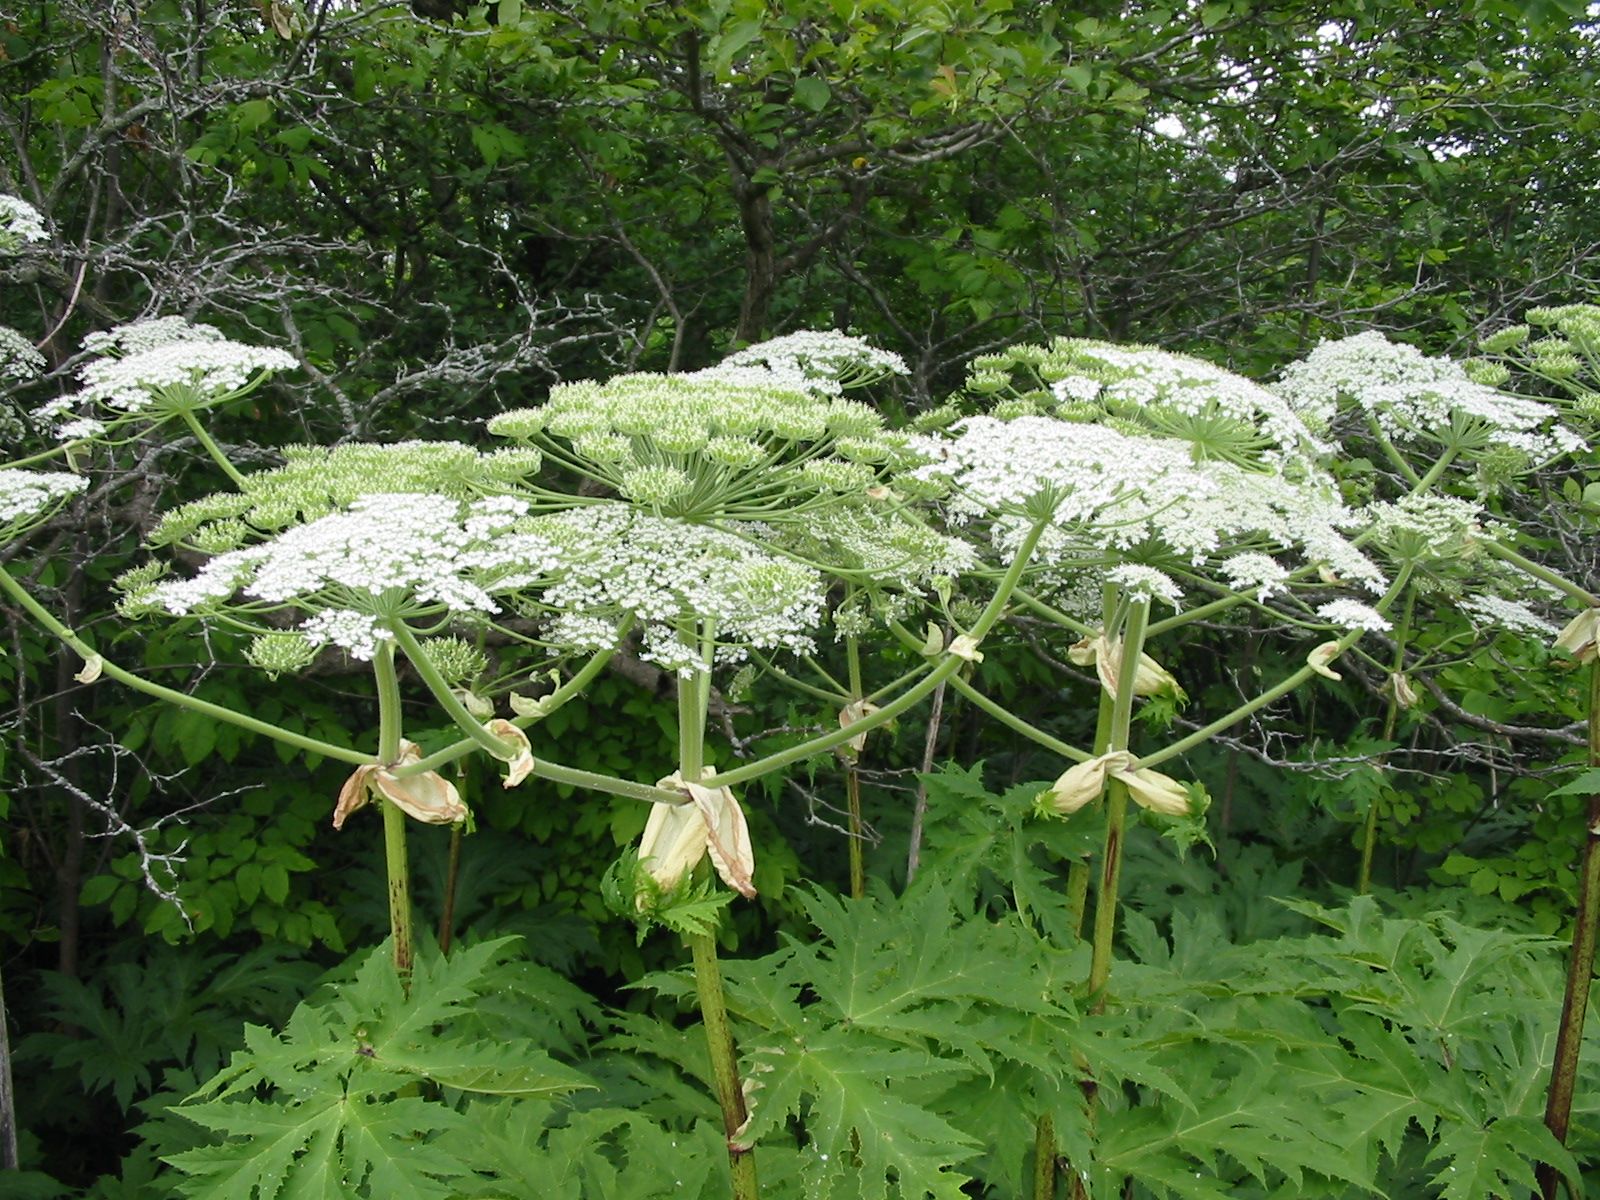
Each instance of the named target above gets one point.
<point>879,546</point>
<point>25,495</point>
<point>392,557</point>
<point>1146,583</point>
<point>1509,616</point>
<point>1112,492</point>
<point>180,375</point>
<point>1352,614</point>
<point>706,448</point>
<point>1413,397</point>
<point>1419,527</point>
<point>1146,390</point>
<point>669,576</point>
<point>824,362</point>
<point>1221,414</point>
<point>18,359</point>
<point>20,223</point>
<point>1251,571</point>
<point>139,336</point>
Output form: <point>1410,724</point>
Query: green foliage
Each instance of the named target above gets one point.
<point>349,1099</point>
<point>135,1018</point>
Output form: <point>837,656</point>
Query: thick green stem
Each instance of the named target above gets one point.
<point>1391,718</point>
<point>852,778</point>
<point>1105,904</point>
<point>1580,968</point>
<point>724,1064</point>
<point>46,620</point>
<point>1207,732</point>
<point>565,693</point>
<point>1011,721</point>
<point>210,447</point>
<point>693,698</point>
<point>1044,1159</point>
<point>452,880</point>
<point>1079,872</point>
<point>394,817</point>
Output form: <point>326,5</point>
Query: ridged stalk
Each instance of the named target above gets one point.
<point>395,861</point>
<point>694,695</point>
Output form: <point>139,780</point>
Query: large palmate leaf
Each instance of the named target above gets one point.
<point>331,1106</point>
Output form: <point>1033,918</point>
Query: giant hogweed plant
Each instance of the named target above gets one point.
<point>708,520</point>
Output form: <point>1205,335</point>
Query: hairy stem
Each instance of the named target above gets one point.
<point>452,879</point>
<point>566,692</point>
<point>919,810</point>
<point>1105,903</point>
<point>724,1064</point>
<point>1542,573</point>
<point>1044,1159</point>
<point>447,699</point>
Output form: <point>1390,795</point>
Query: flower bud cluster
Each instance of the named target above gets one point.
<point>713,445</point>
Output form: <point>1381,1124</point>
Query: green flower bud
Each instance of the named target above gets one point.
<point>1504,339</point>
<point>518,423</point>
<point>281,653</point>
<point>458,660</point>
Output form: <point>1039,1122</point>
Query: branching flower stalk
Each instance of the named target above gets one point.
<point>110,670</point>
<point>209,445</point>
<point>948,661</point>
<point>1391,719</point>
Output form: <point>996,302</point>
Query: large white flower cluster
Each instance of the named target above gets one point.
<point>1415,528</point>
<point>178,375</point>
<point>1413,396</point>
<point>18,358</point>
<point>25,494</point>
<point>1113,492</point>
<point>387,557</point>
<point>619,562</point>
<point>137,337</point>
<point>825,362</point>
<point>20,223</point>
<point>1173,395</point>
